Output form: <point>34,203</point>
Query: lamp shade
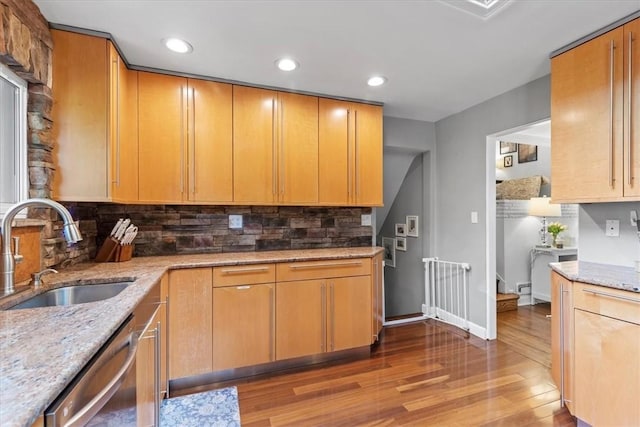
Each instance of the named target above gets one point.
<point>540,206</point>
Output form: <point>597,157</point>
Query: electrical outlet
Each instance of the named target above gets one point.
<point>235,221</point>
<point>365,220</point>
<point>634,218</point>
<point>612,228</point>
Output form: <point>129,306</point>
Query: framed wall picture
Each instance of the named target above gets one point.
<point>389,245</point>
<point>527,153</point>
<point>412,226</point>
<point>401,230</point>
<point>508,161</point>
<point>508,147</point>
<point>401,244</point>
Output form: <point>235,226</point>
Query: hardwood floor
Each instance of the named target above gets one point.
<point>421,374</point>
<point>528,331</point>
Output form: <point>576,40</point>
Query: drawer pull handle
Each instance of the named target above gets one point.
<point>327,264</point>
<point>243,287</point>
<point>245,270</point>
<point>604,294</point>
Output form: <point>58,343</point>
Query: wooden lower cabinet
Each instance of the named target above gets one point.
<point>349,317</point>
<point>607,368</point>
<point>562,337</point>
<point>147,360</point>
<point>377,301</point>
<point>300,318</point>
<point>243,326</point>
<point>164,335</point>
<point>190,322</point>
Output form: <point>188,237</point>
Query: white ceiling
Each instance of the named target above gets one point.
<point>439,60</point>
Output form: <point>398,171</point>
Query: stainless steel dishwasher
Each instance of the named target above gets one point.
<point>107,392</point>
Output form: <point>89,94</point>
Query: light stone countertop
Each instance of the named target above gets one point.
<point>610,276</point>
<point>43,349</point>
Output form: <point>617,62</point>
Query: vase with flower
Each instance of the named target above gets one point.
<point>555,228</point>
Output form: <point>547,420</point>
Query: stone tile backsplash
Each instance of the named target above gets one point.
<point>168,229</point>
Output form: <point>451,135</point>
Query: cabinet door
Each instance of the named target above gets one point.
<point>297,149</point>
<point>162,137</point>
<point>124,130</point>
<point>368,155</point>
<point>333,152</point>
<point>80,117</point>
<point>254,157</point>
<point>349,316</point>
<point>632,109</point>
<point>607,370</point>
<point>147,364</point>
<point>243,326</point>
<point>190,322</point>
<point>164,335</point>
<point>586,126</point>
<point>210,151</point>
<point>300,318</point>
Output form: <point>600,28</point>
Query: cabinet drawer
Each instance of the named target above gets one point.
<point>234,275</point>
<point>323,269</point>
<point>618,304</point>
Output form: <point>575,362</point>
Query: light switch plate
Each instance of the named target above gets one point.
<point>634,218</point>
<point>474,217</point>
<point>365,219</point>
<point>235,221</point>
<point>612,228</point>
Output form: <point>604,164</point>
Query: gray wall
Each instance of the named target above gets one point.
<point>594,246</point>
<point>404,284</point>
<point>461,178</point>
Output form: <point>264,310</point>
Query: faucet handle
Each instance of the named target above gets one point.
<point>17,256</point>
<point>37,277</point>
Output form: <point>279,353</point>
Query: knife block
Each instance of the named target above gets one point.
<point>107,250</point>
<point>123,253</point>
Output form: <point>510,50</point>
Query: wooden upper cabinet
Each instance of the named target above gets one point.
<point>81,84</point>
<point>594,101</point>
<point>275,147</point>
<point>210,149</point>
<point>123,129</point>
<point>254,157</point>
<point>632,104</point>
<point>350,153</point>
<point>297,148</point>
<point>162,137</point>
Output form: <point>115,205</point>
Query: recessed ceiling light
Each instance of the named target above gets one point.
<point>178,45</point>
<point>286,64</point>
<point>376,81</point>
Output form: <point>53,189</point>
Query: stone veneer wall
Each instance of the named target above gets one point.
<point>26,48</point>
<point>166,230</point>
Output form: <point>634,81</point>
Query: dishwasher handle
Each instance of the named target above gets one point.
<point>93,407</point>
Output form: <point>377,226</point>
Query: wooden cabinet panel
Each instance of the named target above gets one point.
<point>350,153</point>
<point>377,301</point>
<point>562,369</point>
<point>607,371</point>
<point>162,137</point>
<point>146,377</point>
<point>210,150</point>
<point>632,109</point>
<point>243,326</point>
<point>368,155</point>
<point>298,149</point>
<point>164,335</point>
<point>305,270</point>
<point>581,118</point>
<point>349,317</point>
<point>333,152</point>
<point>300,318</point>
<point>232,275</point>
<point>124,130</point>
<point>190,322</point>
<point>81,74</point>
<point>623,305</point>
<point>254,157</point>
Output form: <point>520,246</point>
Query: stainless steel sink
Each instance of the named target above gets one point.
<point>70,295</point>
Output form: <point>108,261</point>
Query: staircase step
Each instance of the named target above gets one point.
<point>506,302</point>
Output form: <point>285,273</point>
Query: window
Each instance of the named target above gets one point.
<point>14,184</point>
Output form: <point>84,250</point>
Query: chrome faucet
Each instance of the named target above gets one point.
<point>70,230</point>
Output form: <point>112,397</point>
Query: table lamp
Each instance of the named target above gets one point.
<point>540,206</point>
